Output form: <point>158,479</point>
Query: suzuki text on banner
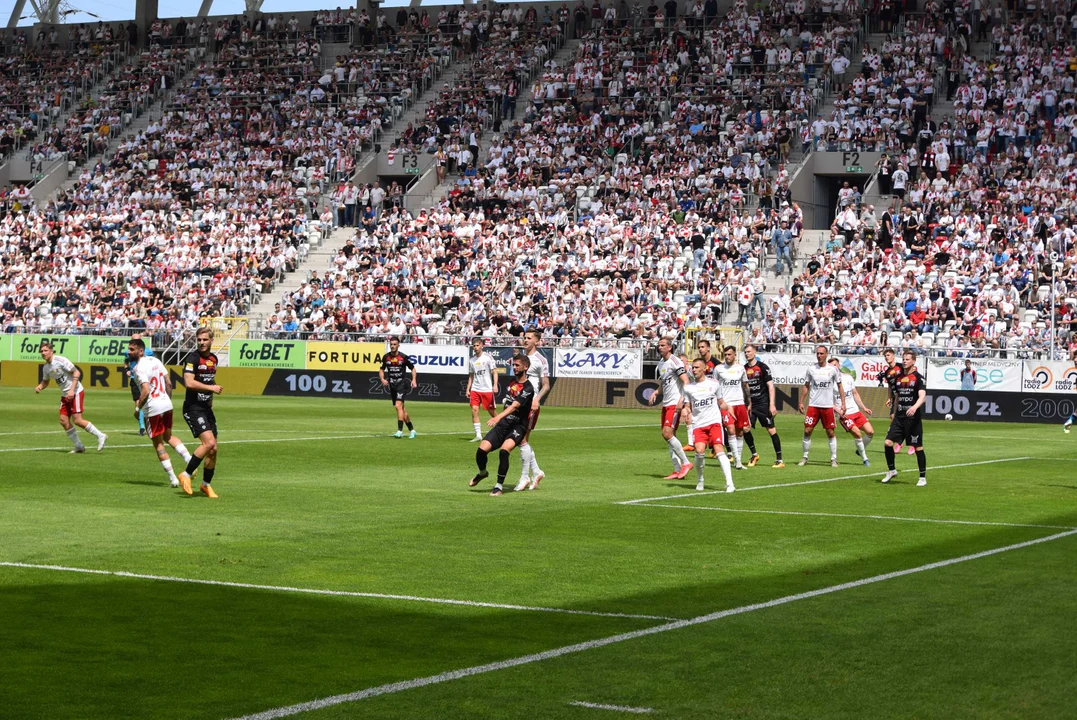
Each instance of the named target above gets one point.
<point>622,364</point>
<point>1046,376</point>
<point>998,375</point>
<point>443,359</point>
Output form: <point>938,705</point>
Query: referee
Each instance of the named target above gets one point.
<point>394,377</point>
<point>907,426</point>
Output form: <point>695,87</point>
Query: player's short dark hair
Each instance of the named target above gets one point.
<point>534,331</point>
<point>477,341</point>
<point>889,351</point>
<point>138,343</point>
<point>204,331</point>
<point>908,351</point>
<point>394,337</point>
<point>522,357</point>
<point>704,342</point>
<point>727,348</point>
<point>44,344</point>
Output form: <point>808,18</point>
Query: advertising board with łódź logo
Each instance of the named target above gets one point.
<point>1048,377</point>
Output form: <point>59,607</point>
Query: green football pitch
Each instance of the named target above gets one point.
<point>346,574</point>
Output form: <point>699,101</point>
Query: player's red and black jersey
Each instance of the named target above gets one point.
<point>758,377</point>
<point>712,363</point>
<point>890,375</point>
<point>907,391</point>
<point>523,393</point>
<point>204,370</point>
<point>396,367</point>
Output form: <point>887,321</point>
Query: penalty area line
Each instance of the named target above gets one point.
<point>815,482</point>
<point>334,593</point>
<point>857,517</point>
<point>402,686</point>
<point>614,708</point>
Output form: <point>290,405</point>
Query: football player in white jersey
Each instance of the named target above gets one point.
<point>155,398</point>
<point>69,379</point>
<point>734,382</point>
<point>703,406</point>
<point>671,378</point>
<point>481,384</point>
<point>538,373</point>
<point>821,384</point>
<point>853,419</point>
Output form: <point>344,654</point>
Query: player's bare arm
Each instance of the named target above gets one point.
<point>860,402</point>
<point>42,385</point>
<point>414,377</point>
<point>77,375</point>
<point>544,387</point>
<point>191,384</point>
<point>770,393</point>
<point>381,375</point>
<point>804,396</point>
<point>747,396</point>
<point>921,398</point>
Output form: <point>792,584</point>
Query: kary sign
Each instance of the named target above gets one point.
<point>615,363</point>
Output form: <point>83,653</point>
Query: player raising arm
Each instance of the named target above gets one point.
<point>704,406</point>
<point>481,384</point>
<point>853,419</point>
<point>394,377</point>
<point>69,379</point>
<point>671,377</point>
<point>199,374</point>
<point>155,397</point>
<point>910,394</point>
<point>820,386</point>
<point>509,426</point>
<point>761,389</point>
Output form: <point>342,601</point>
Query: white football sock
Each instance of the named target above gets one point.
<point>860,446</point>
<point>535,469</point>
<point>806,444</point>
<point>701,462</point>
<point>867,440</point>
<point>478,430</point>
<point>525,462</point>
<point>724,462</point>
<point>676,453</point>
<point>93,431</point>
<point>183,453</point>
<point>74,435</point>
<point>167,465</point>
<point>833,443</point>
<point>738,448</point>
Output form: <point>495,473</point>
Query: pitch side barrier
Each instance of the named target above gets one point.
<point>1001,390</point>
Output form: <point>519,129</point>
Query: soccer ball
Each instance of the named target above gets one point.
<point>949,416</point>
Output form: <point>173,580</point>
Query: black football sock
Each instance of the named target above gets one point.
<point>889,451</point>
<point>777,446</point>
<point>207,476</point>
<point>410,426</point>
<point>503,467</point>
<point>399,425</point>
<point>921,462</point>
<point>193,464</point>
<point>748,438</point>
<point>480,459</point>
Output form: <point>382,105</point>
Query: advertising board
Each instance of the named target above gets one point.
<point>991,374</point>
<point>610,363</point>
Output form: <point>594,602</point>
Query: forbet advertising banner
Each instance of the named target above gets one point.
<point>1046,376</point>
<point>991,374</point>
<point>608,363</point>
<point>27,348</point>
<point>441,359</point>
<point>286,354</point>
<point>5,347</point>
<point>105,350</point>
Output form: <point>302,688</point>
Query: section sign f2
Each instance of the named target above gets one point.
<point>285,354</point>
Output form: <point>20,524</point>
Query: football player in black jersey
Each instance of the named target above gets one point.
<point>888,377</point>
<point>199,375</point>
<point>910,394</point>
<point>761,389</point>
<point>394,378</point>
<point>509,427</point>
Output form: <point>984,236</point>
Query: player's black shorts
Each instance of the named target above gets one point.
<point>200,419</point>
<point>505,431</point>
<point>762,414</point>
<point>906,430</point>
<point>398,391</point>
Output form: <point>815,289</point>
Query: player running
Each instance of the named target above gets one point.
<point>821,384</point>
<point>703,404</point>
<point>69,379</point>
<point>538,373</point>
<point>509,427</point>
<point>761,390</point>
<point>481,384</point>
<point>910,393</point>
<point>394,377</point>
<point>888,377</point>
<point>155,397</point>
<point>671,378</point>
<point>853,419</point>
<point>133,384</point>
<point>199,374</point>
<point>734,383</point>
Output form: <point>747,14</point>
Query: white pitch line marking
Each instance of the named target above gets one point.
<point>857,517</point>
<point>396,687</point>
<point>614,708</point>
<point>335,593</point>
<point>879,473</point>
<point>331,437</point>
